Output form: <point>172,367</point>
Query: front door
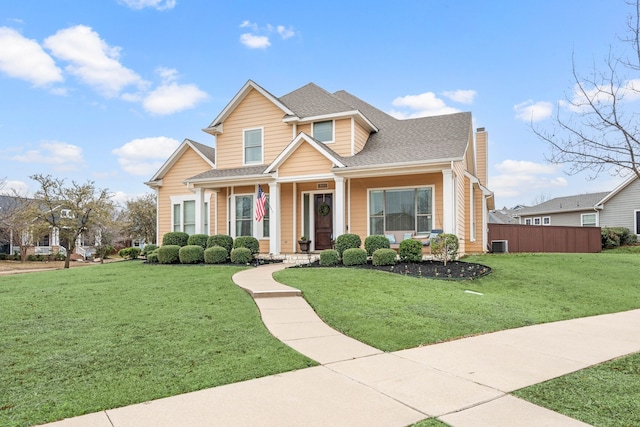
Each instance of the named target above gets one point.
<point>323,205</point>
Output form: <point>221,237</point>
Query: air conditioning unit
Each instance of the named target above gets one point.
<point>499,246</point>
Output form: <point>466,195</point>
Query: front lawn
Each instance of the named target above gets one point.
<point>83,340</point>
<point>392,312</point>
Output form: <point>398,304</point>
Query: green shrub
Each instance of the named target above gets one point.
<point>375,242</point>
<point>148,249</point>
<point>347,241</point>
<point>169,254</point>
<point>152,257</point>
<point>445,247</point>
<point>3,256</point>
<point>410,251</point>
<point>129,253</point>
<point>198,239</point>
<point>354,256</point>
<point>175,238</point>
<point>223,240</point>
<point>329,257</point>
<point>215,255</point>
<point>384,256</point>
<point>612,237</point>
<point>248,242</point>
<point>191,254</point>
<point>241,255</point>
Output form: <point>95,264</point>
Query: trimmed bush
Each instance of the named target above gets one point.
<point>169,254</point>
<point>215,255</point>
<point>175,238</point>
<point>198,239</point>
<point>223,240</point>
<point>329,257</point>
<point>241,255</point>
<point>191,254</point>
<point>354,256</point>
<point>375,242</point>
<point>129,253</point>
<point>384,256</point>
<point>152,257</point>
<point>148,249</point>
<point>445,247</point>
<point>411,251</point>
<point>347,241</point>
<point>248,242</point>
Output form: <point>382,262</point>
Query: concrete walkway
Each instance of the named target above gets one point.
<point>462,383</point>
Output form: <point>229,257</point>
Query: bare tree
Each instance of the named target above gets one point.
<point>596,129</point>
<point>72,210</point>
<point>140,218</point>
<point>17,223</point>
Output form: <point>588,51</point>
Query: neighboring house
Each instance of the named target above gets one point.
<point>504,216</point>
<point>329,164</point>
<point>617,208</point>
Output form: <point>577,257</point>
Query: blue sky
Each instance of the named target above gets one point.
<point>106,90</point>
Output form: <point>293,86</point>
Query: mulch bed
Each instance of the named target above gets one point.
<point>454,270</point>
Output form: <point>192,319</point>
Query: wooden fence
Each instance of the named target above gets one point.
<point>538,238</point>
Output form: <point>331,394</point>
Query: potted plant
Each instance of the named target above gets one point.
<point>304,244</point>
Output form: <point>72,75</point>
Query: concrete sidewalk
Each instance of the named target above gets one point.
<point>462,383</point>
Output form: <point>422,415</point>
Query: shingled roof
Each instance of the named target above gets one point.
<point>579,202</point>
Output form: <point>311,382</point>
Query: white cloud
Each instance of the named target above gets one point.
<point>521,179</point>
<point>461,96</point>
<point>92,60</point>
<point>62,156</point>
<point>172,97</point>
<point>258,38</point>
<point>285,33</point>
<point>530,111</point>
<point>156,4</point>
<point>19,187</point>
<point>254,42</point>
<point>628,91</point>
<point>25,59</point>
<point>144,156</point>
<point>423,105</point>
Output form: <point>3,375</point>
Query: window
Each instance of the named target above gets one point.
<point>407,209</point>
<point>244,216</point>
<point>65,213</point>
<point>637,222</point>
<point>252,146</point>
<point>184,216</point>
<point>323,131</point>
<point>546,220</point>
<point>265,219</point>
<point>536,221</point>
<point>588,220</point>
<point>527,221</point>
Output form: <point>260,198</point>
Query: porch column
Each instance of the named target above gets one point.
<point>338,207</point>
<point>199,210</point>
<point>274,218</point>
<point>448,202</point>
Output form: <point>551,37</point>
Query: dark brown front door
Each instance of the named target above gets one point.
<point>323,205</point>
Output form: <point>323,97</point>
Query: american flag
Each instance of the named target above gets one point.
<point>260,202</point>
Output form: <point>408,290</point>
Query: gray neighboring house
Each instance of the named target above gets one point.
<point>617,208</point>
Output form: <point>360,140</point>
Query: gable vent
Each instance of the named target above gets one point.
<point>323,185</point>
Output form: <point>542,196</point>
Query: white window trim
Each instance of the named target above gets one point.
<point>257,227</point>
<point>244,160</point>
<point>413,187</point>
<point>548,222</point>
<point>528,221</point>
<point>179,200</point>
<point>537,221</point>
<point>591,213</point>
<point>333,130</point>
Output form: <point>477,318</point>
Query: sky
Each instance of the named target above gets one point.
<point>106,90</point>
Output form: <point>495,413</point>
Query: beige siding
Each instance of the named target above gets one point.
<point>481,157</point>
<point>287,239</point>
<point>253,112</point>
<point>462,204</point>
<point>306,160</point>
<point>188,165</point>
<point>361,137</point>
<point>342,144</point>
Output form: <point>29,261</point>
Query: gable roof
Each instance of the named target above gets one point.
<point>618,189</point>
<point>580,202</point>
<point>297,141</point>
<point>207,153</point>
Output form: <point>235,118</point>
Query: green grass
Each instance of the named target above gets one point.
<point>392,312</point>
<point>605,395</point>
<point>87,339</point>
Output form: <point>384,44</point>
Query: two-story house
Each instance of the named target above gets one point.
<point>329,164</point>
